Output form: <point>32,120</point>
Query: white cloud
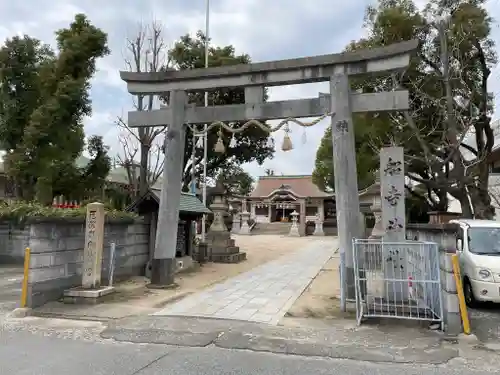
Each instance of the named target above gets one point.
<point>267,30</point>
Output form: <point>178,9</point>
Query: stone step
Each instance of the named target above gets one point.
<point>226,250</point>
<point>229,258</point>
<point>230,242</point>
<point>272,228</point>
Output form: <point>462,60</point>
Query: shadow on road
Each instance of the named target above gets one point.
<point>10,287</point>
<point>485,322</point>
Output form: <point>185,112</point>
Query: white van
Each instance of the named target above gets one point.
<point>478,247</point>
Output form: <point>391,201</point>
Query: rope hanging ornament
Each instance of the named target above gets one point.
<point>287,142</point>
<point>219,145</point>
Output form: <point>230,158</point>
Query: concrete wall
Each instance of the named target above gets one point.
<point>57,254</point>
<point>442,234</point>
<point>13,241</point>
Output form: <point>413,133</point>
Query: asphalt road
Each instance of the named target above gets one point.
<point>22,352</point>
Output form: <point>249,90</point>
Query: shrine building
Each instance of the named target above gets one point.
<point>276,197</point>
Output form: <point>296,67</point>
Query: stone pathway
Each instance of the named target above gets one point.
<point>263,294</point>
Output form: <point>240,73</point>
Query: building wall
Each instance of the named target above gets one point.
<point>57,253</point>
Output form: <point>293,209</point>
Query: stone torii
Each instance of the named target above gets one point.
<point>340,104</point>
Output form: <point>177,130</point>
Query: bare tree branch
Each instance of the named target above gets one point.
<point>146,51</point>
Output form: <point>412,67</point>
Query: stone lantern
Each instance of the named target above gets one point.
<point>221,247</point>
<point>294,229</point>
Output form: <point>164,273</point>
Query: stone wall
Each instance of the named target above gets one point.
<point>13,242</point>
<point>442,234</point>
<point>57,254</point>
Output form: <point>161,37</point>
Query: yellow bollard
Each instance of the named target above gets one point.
<point>24,293</point>
<point>460,294</point>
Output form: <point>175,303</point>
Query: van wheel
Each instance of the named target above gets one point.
<point>470,300</point>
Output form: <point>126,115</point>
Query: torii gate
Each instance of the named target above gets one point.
<point>340,104</point>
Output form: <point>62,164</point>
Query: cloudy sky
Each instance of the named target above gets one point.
<point>267,30</point>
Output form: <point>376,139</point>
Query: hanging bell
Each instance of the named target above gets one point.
<point>233,143</point>
<point>219,146</point>
<point>287,143</point>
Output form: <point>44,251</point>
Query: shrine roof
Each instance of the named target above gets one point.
<point>189,203</point>
<point>301,186</point>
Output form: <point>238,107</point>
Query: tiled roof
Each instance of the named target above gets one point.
<point>301,186</point>
<point>189,202</point>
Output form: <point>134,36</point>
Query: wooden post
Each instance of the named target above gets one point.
<point>162,267</point>
<point>346,180</point>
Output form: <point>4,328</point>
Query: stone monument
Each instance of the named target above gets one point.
<point>294,229</point>
<point>91,290</point>
<point>221,247</point>
<point>318,226</point>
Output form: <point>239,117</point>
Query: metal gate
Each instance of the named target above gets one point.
<point>397,280</point>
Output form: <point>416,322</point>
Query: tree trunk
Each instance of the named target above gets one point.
<point>143,179</point>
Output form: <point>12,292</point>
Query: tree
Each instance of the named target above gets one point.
<point>84,182</point>
<point>146,52</point>
<point>269,172</point>
<point>236,180</point>
<point>43,100</point>
<point>450,101</point>
<point>366,158</point>
<point>252,144</point>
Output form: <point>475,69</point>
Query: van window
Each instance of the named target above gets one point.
<point>484,241</point>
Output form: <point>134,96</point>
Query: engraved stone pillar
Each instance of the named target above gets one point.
<point>302,218</point>
<point>392,191</point>
<point>236,223</point>
<point>318,226</point>
<point>294,229</point>
<point>92,255</point>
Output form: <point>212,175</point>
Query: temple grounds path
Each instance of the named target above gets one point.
<point>265,293</point>
<point>133,298</point>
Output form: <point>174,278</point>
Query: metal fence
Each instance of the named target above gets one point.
<point>397,280</point>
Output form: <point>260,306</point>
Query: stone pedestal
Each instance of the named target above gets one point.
<point>221,247</point>
<point>245,229</point>
<point>236,224</point>
<point>318,226</point>
<point>294,229</point>
<point>91,290</point>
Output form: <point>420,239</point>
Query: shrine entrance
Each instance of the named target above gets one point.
<point>338,106</point>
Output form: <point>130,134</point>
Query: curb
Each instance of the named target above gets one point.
<point>21,312</point>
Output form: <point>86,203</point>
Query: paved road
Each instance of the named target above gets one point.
<point>485,322</point>
<point>31,354</point>
<point>263,294</point>
<point>10,287</point>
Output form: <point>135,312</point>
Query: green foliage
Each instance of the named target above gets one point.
<point>76,182</point>
<point>440,114</point>
<point>251,145</point>
<point>19,212</point>
<point>43,101</point>
<point>236,180</point>
<point>366,158</point>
